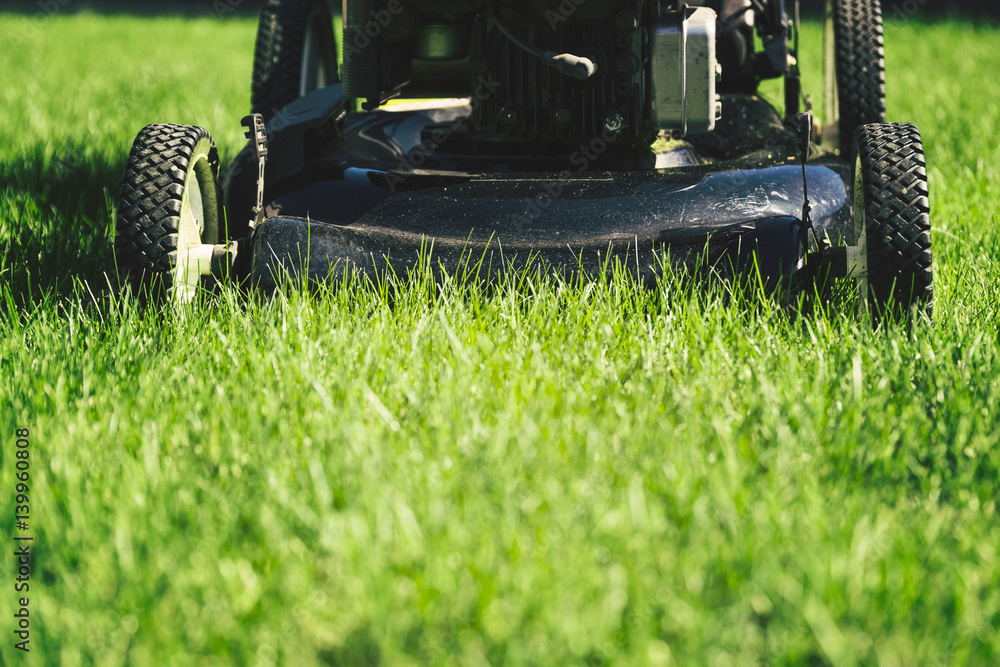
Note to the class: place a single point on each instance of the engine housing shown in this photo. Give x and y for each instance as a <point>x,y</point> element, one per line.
<point>653,68</point>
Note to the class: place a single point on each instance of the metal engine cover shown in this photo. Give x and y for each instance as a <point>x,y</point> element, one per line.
<point>684,72</point>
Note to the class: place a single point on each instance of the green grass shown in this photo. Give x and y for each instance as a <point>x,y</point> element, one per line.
<point>551,474</point>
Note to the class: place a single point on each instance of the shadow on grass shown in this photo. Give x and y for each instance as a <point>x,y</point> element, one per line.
<point>56,220</point>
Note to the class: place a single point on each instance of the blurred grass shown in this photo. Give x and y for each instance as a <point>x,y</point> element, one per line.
<point>551,474</point>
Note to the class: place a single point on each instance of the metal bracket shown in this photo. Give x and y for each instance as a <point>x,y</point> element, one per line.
<point>773,31</point>
<point>793,78</point>
<point>684,69</point>
<point>198,261</point>
<point>842,261</point>
<point>256,133</point>
<point>802,125</point>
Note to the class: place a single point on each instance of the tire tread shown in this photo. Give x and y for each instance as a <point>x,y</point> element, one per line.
<point>149,202</point>
<point>860,64</point>
<point>278,54</point>
<point>897,216</point>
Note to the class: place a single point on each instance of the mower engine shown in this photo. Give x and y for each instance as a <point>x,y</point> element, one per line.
<point>541,70</point>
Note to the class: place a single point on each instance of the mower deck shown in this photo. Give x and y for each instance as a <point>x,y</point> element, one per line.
<point>398,184</point>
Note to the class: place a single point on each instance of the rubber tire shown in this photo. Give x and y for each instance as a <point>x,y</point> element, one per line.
<point>162,159</point>
<point>860,66</point>
<point>278,55</point>
<point>890,180</point>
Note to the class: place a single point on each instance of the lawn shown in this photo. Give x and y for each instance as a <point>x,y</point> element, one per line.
<point>547,474</point>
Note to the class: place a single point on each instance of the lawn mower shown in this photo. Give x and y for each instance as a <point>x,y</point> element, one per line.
<point>492,134</point>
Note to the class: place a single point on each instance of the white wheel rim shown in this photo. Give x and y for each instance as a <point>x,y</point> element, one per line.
<point>196,225</point>
<point>860,236</point>
<point>194,205</point>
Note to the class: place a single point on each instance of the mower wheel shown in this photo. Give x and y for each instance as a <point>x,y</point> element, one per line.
<point>892,219</point>
<point>296,53</point>
<point>855,63</point>
<point>169,202</point>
